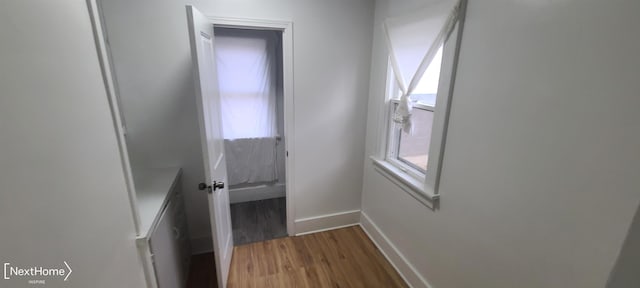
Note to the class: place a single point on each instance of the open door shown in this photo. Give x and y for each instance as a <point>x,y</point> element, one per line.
<point>208,99</point>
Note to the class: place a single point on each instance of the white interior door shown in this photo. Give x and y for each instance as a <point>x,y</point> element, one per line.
<point>208,99</point>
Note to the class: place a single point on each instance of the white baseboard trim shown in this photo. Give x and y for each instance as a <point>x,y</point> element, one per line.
<point>326,222</point>
<point>260,192</point>
<point>201,245</point>
<point>393,255</point>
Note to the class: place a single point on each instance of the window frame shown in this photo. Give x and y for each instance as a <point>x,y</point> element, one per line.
<point>422,186</point>
<point>393,141</point>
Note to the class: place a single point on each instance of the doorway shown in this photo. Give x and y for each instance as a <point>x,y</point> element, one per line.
<point>249,65</point>
<point>209,102</point>
<point>256,102</point>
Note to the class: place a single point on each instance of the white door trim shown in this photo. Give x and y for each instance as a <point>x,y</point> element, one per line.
<point>287,57</point>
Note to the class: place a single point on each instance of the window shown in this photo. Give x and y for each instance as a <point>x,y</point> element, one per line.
<point>410,151</point>
<point>412,145</point>
<point>247,78</point>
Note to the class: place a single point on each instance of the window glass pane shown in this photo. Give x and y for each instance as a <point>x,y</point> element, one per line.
<point>427,88</point>
<point>414,149</point>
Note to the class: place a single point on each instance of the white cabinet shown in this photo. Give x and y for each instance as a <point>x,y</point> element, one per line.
<point>165,245</point>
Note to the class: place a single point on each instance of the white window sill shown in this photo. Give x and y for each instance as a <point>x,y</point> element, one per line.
<point>414,187</point>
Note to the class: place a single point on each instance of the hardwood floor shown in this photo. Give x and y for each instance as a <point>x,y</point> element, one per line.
<point>260,220</point>
<point>337,258</point>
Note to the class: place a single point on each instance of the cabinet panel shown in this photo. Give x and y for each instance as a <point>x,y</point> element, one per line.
<point>167,252</point>
<point>180,218</point>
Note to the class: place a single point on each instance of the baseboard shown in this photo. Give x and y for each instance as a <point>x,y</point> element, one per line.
<point>303,226</point>
<point>201,245</point>
<point>393,255</point>
<point>326,222</point>
<point>260,192</point>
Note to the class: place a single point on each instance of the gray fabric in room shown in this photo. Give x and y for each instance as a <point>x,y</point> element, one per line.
<point>260,220</point>
<point>251,160</point>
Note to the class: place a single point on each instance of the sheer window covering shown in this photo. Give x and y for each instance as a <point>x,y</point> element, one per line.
<point>247,83</point>
<point>413,41</point>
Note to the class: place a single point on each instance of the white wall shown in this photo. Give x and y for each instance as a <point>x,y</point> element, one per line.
<point>332,41</point>
<point>62,194</point>
<point>540,173</point>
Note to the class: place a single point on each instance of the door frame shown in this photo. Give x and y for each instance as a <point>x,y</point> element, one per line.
<point>286,27</point>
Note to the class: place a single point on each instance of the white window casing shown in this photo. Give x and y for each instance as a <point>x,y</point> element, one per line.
<point>422,186</point>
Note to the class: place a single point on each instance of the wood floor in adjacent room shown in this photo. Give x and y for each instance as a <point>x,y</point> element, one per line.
<point>337,258</point>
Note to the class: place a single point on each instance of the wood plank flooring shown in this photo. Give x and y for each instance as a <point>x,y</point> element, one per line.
<point>338,258</point>
<point>257,221</point>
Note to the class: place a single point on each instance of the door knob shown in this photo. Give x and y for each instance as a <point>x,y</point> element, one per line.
<point>217,185</point>
<point>203,186</point>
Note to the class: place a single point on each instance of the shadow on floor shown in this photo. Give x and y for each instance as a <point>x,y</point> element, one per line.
<point>202,273</point>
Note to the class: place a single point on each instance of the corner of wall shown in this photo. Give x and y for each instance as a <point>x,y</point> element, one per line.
<point>326,222</point>
<point>409,273</point>
<point>625,270</point>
